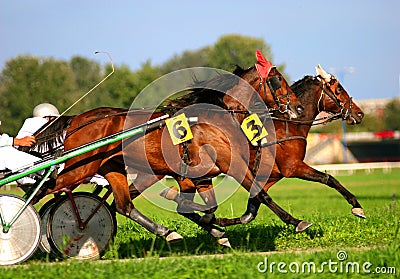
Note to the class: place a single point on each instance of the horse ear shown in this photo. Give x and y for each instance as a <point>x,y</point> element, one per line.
<point>321,72</point>
<point>263,66</point>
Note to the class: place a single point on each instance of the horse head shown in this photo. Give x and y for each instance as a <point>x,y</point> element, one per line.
<point>339,98</point>
<point>284,98</point>
<point>272,87</point>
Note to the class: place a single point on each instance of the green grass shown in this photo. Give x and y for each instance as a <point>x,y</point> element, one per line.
<point>237,265</point>
<point>137,253</point>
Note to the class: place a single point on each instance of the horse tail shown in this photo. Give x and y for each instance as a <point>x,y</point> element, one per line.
<point>49,137</point>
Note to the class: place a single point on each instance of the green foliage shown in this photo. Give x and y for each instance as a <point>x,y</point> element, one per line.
<point>118,89</point>
<point>392,115</point>
<point>230,50</point>
<point>188,59</point>
<point>27,81</point>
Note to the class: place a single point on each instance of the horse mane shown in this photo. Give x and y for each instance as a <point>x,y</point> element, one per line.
<point>210,91</point>
<point>240,72</point>
<point>303,85</point>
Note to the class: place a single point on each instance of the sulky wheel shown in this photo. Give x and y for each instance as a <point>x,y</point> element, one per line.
<point>23,237</point>
<point>44,213</point>
<point>68,239</point>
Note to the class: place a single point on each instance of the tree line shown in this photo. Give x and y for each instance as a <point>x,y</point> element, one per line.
<point>27,81</point>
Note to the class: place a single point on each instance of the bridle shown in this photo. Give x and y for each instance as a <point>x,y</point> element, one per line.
<point>274,84</point>
<point>343,111</point>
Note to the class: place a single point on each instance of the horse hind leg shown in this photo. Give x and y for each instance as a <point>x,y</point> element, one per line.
<point>186,207</point>
<point>124,206</point>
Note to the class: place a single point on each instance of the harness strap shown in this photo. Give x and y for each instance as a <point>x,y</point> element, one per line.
<point>185,161</point>
<point>285,139</point>
<point>257,159</point>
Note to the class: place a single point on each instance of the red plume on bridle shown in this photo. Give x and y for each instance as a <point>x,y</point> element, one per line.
<point>263,66</point>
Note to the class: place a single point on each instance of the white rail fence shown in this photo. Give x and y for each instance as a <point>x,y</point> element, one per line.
<point>333,169</point>
<point>351,168</point>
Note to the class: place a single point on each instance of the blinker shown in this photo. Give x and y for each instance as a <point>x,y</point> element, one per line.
<point>275,82</point>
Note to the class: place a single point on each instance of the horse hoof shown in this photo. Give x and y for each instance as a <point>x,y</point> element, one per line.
<point>169,193</point>
<point>173,237</point>
<point>224,242</point>
<point>216,233</point>
<point>247,218</point>
<point>302,226</point>
<point>359,212</point>
<point>206,218</point>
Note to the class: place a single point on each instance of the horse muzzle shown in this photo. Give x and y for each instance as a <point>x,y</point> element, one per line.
<point>355,118</point>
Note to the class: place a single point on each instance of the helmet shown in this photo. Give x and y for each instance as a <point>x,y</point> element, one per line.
<point>44,110</point>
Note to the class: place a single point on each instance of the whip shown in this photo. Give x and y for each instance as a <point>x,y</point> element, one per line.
<point>87,93</point>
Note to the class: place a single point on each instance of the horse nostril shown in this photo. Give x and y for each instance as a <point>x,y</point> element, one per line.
<point>360,114</point>
<point>300,109</point>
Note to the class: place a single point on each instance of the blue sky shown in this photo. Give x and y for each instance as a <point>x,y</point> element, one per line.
<point>357,39</point>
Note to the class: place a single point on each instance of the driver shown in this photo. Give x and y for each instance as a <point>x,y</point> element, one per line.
<point>43,113</point>
<point>10,157</point>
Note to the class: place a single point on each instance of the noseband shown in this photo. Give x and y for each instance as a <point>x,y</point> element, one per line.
<point>344,112</point>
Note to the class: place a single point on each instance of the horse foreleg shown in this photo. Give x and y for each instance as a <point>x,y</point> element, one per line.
<point>351,199</point>
<point>253,204</point>
<point>254,188</point>
<point>124,206</point>
<point>206,191</point>
<point>306,172</point>
<point>251,212</point>
<point>266,199</point>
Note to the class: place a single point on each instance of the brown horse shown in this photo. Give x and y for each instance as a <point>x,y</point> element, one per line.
<point>321,93</point>
<point>213,149</point>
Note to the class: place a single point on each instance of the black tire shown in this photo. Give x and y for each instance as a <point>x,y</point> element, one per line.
<point>44,213</point>
<point>65,236</point>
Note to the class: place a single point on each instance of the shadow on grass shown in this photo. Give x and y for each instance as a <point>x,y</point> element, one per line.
<point>138,243</point>
<point>245,238</point>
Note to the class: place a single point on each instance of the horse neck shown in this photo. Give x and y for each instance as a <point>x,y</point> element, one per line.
<point>252,78</point>
<point>309,98</point>
<point>249,93</point>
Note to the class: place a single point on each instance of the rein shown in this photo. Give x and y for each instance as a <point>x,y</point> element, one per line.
<point>149,109</point>
<point>273,85</point>
<point>344,112</point>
